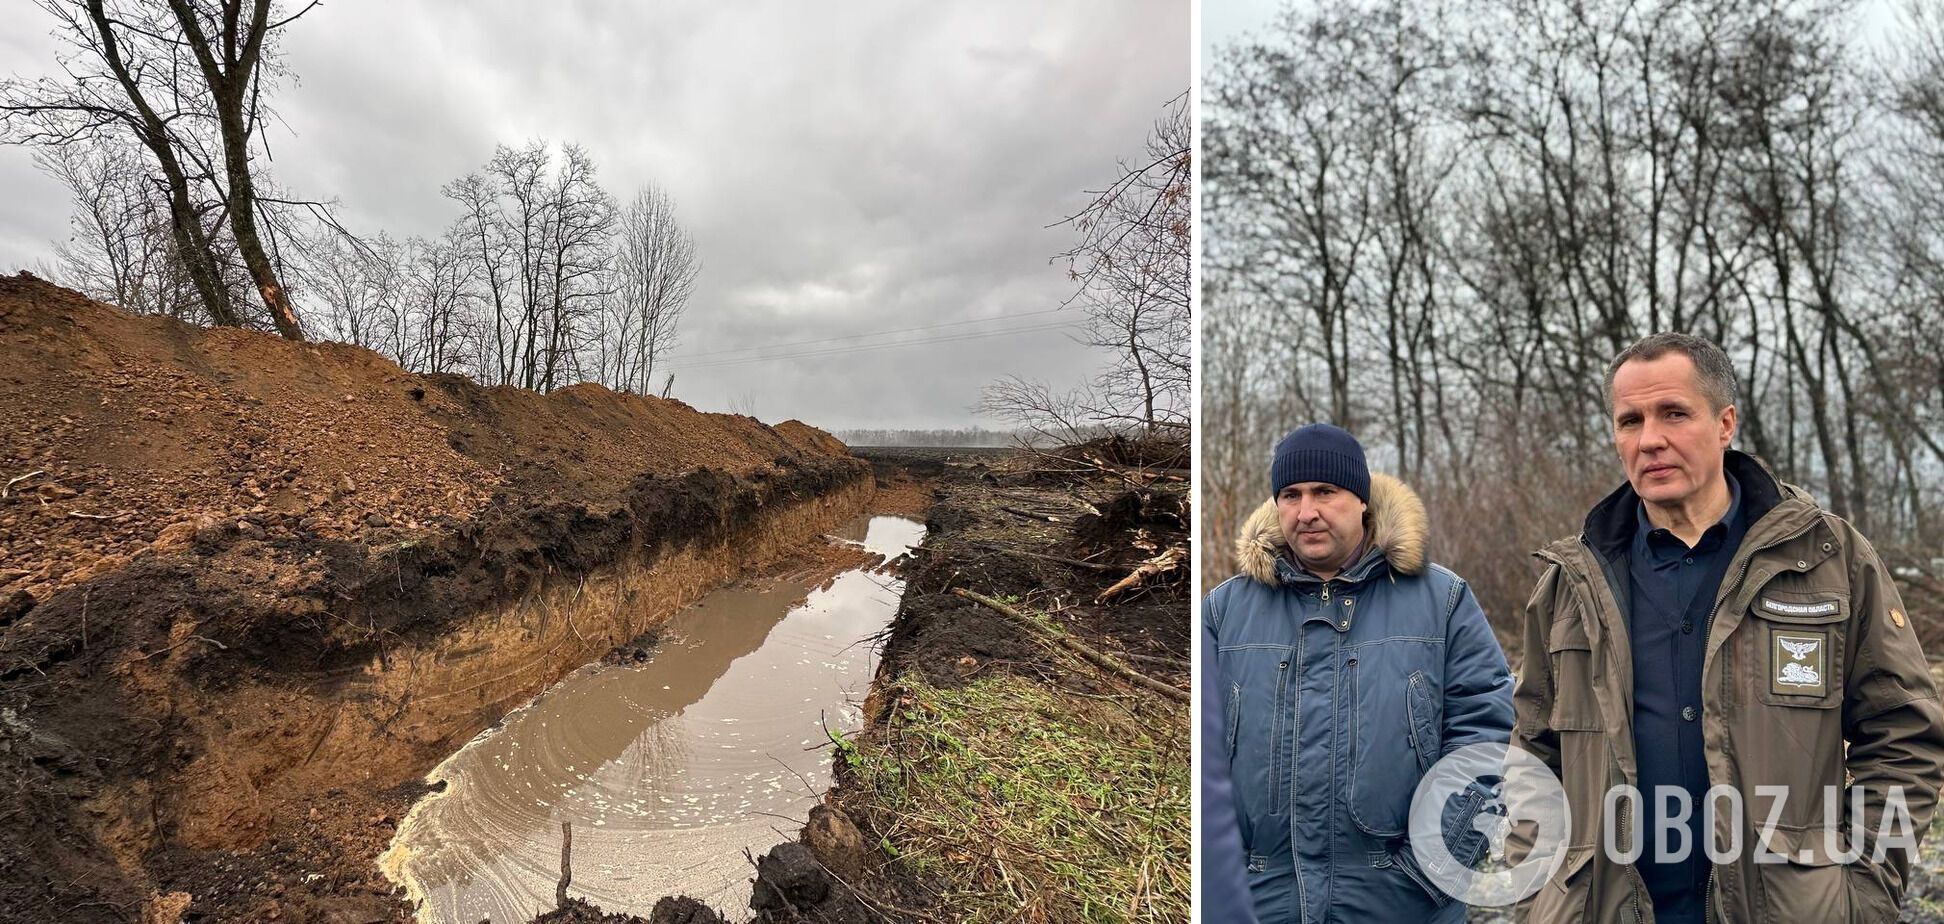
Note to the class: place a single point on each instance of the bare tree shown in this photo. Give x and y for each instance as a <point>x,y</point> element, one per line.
<point>494,261</point>
<point>436,281</point>
<point>187,82</point>
<point>1132,267</point>
<point>121,250</point>
<point>123,80</point>
<point>1439,221</point>
<point>233,51</point>
<point>1046,416</point>
<point>575,262</point>
<point>655,268</point>
<point>353,285</point>
<point>535,245</point>
<point>1131,270</point>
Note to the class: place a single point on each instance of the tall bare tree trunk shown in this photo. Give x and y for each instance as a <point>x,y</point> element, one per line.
<point>185,224</point>
<point>231,81</point>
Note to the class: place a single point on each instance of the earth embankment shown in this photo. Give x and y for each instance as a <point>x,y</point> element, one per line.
<point>252,589</point>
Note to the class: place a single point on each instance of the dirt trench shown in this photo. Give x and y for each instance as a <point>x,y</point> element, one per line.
<point>263,777</point>
<point>998,523</point>
<point>251,591</point>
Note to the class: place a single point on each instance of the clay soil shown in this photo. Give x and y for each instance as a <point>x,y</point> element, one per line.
<point>201,528</point>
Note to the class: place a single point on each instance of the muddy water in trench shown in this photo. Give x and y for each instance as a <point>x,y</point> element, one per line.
<point>667,770</point>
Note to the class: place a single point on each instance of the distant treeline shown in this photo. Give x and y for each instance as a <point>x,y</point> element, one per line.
<point>964,436</point>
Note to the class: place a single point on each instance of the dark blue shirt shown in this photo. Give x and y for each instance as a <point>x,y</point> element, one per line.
<point>1672,591</point>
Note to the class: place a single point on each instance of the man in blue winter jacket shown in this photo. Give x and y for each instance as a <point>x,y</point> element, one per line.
<point>1348,666</point>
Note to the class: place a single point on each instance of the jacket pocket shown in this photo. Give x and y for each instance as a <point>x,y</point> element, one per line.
<point>1799,647</point>
<point>1804,882</point>
<point>1384,768</point>
<point>1244,821</point>
<point>1371,799</point>
<point>1422,706</point>
<point>1564,897</point>
<point>1574,706</point>
<point>1870,902</point>
<point>1253,736</point>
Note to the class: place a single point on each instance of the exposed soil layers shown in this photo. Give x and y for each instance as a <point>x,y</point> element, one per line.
<point>251,590</point>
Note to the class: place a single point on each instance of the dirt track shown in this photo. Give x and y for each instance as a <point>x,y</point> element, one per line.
<point>250,590</point>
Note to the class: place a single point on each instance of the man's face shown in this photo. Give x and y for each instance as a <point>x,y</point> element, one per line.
<point>1322,523</point>
<point>1670,441</point>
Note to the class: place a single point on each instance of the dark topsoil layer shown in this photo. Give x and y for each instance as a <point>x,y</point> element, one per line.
<point>205,509</point>
<point>988,508</point>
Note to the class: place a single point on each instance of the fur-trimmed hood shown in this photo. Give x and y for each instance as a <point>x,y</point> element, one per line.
<point>1398,527</point>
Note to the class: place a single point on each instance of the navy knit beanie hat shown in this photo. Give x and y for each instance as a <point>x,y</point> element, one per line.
<point>1320,452</point>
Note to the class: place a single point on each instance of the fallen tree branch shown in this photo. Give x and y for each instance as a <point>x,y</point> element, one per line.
<point>1136,476</point>
<point>1176,663</point>
<point>1163,563</point>
<point>1103,661</point>
<point>1075,562</point>
<point>1043,518</point>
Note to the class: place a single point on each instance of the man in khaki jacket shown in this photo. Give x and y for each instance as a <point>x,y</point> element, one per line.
<point>1720,644</point>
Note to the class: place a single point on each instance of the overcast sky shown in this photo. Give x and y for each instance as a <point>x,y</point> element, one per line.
<point>845,168</point>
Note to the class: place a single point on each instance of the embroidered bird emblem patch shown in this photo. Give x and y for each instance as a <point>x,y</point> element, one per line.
<point>1798,665</point>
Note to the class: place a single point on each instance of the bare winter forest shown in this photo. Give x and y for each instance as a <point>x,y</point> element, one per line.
<point>1435,223</point>
<point>157,129</point>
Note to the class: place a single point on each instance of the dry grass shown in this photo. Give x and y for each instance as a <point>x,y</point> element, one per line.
<point>1032,803</point>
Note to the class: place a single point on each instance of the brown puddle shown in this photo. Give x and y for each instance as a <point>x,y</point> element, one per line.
<point>667,769</point>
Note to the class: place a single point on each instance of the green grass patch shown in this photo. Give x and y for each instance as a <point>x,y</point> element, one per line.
<point>1036,804</point>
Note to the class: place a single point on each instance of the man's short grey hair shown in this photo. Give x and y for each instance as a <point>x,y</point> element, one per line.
<point>1712,370</point>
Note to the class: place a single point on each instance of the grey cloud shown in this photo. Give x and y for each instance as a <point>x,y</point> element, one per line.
<point>843,168</point>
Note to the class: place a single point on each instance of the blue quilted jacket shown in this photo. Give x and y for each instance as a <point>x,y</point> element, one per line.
<point>1336,698</point>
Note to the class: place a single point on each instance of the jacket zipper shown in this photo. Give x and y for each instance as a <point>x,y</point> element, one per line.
<point>1282,691</point>
<point>1635,884</point>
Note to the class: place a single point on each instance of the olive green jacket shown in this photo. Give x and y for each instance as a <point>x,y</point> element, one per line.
<point>1812,678</point>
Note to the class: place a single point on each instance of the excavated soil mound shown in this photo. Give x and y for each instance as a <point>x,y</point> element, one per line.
<point>121,432</point>
<point>219,549</point>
